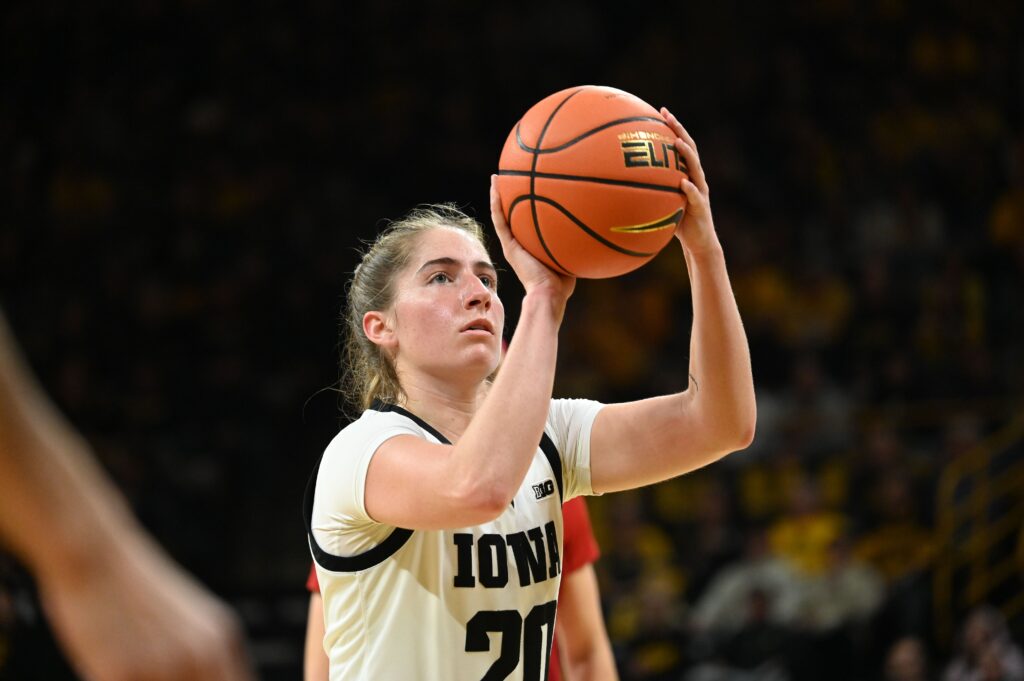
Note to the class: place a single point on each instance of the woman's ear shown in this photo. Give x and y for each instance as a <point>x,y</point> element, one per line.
<point>379,329</point>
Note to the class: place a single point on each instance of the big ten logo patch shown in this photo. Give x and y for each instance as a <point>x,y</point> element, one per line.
<point>544,489</point>
<point>642,149</point>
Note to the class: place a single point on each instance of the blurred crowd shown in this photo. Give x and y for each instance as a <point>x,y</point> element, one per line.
<point>870,203</point>
<point>185,183</point>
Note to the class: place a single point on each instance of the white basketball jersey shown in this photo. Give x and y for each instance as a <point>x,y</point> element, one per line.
<point>471,603</point>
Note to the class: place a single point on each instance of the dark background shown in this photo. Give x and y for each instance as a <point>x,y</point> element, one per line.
<point>185,185</point>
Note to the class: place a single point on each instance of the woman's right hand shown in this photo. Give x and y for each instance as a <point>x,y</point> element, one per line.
<point>533,274</point>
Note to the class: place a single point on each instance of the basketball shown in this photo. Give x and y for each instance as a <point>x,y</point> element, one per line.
<point>589,180</point>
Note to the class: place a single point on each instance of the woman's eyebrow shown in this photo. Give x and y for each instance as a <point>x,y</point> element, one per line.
<point>448,262</point>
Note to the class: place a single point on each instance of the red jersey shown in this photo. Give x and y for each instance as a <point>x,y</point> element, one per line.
<point>580,549</point>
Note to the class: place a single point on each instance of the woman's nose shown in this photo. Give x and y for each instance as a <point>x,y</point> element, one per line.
<point>477,295</point>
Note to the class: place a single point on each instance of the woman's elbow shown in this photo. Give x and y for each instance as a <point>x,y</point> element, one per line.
<point>483,502</point>
<point>744,429</point>
<point>747,433</point>
<point>494,502</point>
<point>735,432</point>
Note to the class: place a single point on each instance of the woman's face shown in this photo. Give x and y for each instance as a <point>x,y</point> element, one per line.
<point>447,318</point>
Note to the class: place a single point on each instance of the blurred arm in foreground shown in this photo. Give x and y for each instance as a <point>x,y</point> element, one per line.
<point>121,609</point>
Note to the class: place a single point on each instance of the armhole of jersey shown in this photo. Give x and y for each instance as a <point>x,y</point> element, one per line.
<point>387,548</point>
<point>551,452</point>
<point>328,561</point>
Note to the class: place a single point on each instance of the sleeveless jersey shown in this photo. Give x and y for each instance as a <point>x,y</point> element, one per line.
<point>468,603</point>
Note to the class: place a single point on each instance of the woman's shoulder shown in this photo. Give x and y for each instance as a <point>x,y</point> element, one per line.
<point>568,418</point>
<point>562,409</point>
<point>372,425</point>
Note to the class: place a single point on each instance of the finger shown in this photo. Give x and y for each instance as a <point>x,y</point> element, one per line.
<point>672,122</point>
<point>696,201</point>
<point>498,215</point>
<point>693,166</point>
<point>691,190</point>
<point>677,127</point>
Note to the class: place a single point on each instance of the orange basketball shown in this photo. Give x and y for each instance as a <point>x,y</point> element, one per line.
<point>590,181</point>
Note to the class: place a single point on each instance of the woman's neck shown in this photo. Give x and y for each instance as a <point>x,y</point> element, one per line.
<point>446,407</point>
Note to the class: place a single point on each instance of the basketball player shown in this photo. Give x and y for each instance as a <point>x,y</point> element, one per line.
<point>581,650</point>
<point>122,611</point>
<point>434,520</point>
<point>585,653</point>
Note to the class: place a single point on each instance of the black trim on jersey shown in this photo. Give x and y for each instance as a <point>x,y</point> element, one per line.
<point>397,539</point>
<point>384,406</point>
<point>554,460</point>
<point>375,556</point>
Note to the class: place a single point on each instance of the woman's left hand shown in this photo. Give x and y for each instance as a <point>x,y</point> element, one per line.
<point>696,231</point>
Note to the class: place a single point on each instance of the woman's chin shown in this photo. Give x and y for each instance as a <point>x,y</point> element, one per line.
<point>470,366</point>
<point>479,364</point>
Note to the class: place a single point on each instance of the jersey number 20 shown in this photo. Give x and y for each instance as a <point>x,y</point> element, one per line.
<point>517,635</point>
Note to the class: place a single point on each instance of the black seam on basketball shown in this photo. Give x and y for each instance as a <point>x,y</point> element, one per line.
<point>582,225</point>
<point>584,135</point>
<point>533,167</point>
<point>540,236</point>
<point>595,180</point>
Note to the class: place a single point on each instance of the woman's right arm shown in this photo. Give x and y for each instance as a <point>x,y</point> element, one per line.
<point>475,480</point>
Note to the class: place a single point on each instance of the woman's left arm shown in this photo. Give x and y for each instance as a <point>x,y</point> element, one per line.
<point>640,443</point>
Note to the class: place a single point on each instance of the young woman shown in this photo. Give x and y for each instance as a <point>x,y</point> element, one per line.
<point>436,518</point>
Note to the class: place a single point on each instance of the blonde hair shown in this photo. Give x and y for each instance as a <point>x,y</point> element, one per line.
<point>367,372</point>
